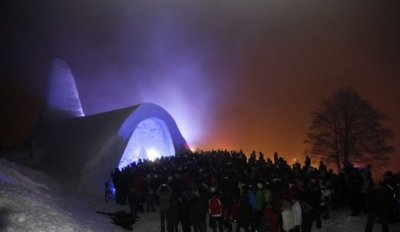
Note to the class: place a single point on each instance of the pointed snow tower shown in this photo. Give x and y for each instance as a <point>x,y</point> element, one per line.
<point>62,98</point>
<point>81,151</point>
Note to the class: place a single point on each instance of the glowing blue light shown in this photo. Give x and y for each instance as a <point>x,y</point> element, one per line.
<point>150,140</point>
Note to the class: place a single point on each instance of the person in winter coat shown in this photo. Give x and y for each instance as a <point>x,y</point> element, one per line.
<point>132,202</point>
<point>287,216</point>
<point>198,210</point>
<point>314,199</point>
<point>307,215</point>
<point>173,217</point>
<point>138,185</point>
<point>296,208</point>
<point>108,194</point>
<point>259,204</point>
<point>325,200</point>
<point>235,210</point>
<point>292,190</point>
<point>355,183</point>
<point>253,202</point>
<point>271,218</point>
<point>184,209</point>
<point>164,192</point>
<point>197,218</point>
<point>389,184</point>
<point>215,209</point>
<point>227,202</point>
<point>379,201</point>
<point>245,214</point>
<point>276,197</point>
<point>378,208</point>
<point>150,200</point>
<point>252,198</point>
<point>267,195</point>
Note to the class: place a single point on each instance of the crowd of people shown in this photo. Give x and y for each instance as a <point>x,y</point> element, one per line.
<point>252,194</point>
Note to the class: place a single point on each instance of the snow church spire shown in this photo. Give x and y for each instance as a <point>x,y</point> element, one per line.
<point>62,97</point>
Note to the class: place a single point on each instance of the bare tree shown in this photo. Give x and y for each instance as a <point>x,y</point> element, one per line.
<point>346,129</point>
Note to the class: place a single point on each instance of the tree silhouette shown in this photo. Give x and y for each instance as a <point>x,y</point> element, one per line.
<point>346,129</point>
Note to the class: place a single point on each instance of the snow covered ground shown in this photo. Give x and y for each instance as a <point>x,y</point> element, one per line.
<point>340,222</point>
<point>31,201</point>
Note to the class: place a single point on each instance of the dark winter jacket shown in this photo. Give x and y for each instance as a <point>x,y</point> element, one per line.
<point>379,201</point>
<point>164,192</point>
<point>196,212</point>
<point>245,212</point>
<point>173,214</point>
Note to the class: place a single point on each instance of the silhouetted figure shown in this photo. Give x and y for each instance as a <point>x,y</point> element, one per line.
<point>245,214</point>
<point>184,210</point>
<point>379,200</point>
<point>119,185</point>
<point>308,216</point>
<point>164,192</point>
<point>173,217</point>
<point>132,202</point>
<point>271,219</point>
<point>260,200</point>
<point>198,210</point>
<point>108,194</point>
<point>150,200</point>
<point>355,188</point>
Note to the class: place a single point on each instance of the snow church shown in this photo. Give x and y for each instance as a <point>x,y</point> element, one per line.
<point>81,151</point>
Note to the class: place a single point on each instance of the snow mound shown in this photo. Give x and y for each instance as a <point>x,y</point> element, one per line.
<point>31,201</point>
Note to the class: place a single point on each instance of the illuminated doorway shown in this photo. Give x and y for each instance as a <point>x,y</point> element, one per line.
<point>150,140</point>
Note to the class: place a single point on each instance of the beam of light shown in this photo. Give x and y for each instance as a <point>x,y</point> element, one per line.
<point>194,148</point>
<point>186,96</point>
<point>153,154</point>
<point>174,74</point>
<point>150,140</point>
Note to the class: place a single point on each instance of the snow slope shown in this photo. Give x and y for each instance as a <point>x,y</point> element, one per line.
<point>31,201</point>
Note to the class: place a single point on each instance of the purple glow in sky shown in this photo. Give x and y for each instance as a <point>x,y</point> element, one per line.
<point>171,70</point>
<point>178,85</point>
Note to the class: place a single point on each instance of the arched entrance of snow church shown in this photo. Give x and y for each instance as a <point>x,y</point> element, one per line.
<point>146,130</point>
<point>150,140</point>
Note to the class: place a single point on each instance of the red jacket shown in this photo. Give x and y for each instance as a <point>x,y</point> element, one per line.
<point>215,207</point>
<point>235,210</point>
<point>271,218</point>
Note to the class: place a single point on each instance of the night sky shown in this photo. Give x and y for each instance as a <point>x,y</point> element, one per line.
<point>233,74</point>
